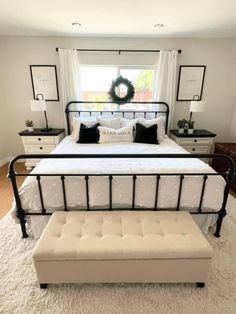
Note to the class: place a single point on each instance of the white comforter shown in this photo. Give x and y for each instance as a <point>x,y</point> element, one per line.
<point>122,186</point>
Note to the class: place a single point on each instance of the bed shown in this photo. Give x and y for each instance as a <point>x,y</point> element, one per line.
<point>121,176</point>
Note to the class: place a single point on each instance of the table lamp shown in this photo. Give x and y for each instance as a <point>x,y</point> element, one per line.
<point>39,104</point>
<point>196,105</point>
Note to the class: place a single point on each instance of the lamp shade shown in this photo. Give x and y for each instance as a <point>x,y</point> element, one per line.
<point>197,106</point>
<point>38,105</point>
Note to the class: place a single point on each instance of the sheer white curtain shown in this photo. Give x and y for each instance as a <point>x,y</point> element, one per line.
<point>70,77</point>
<point>165,80</point>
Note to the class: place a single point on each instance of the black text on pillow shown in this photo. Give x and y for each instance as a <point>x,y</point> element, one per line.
<point>145,134</point>
<point>88,134</point>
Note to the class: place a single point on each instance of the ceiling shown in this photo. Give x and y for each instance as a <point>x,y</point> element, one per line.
<point>135,18</point>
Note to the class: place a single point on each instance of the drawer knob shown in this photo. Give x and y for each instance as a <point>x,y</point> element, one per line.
<point>193,149</point>
<point>195,141</point>
<point>39,139</point>
<point>41,147</point>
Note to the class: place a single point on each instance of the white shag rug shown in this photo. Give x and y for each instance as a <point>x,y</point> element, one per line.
<point>20,292</point>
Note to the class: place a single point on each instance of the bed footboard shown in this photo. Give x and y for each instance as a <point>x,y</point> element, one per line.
<point>23,212</point>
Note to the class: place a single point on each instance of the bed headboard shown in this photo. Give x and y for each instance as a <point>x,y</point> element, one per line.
<point>120,109</point>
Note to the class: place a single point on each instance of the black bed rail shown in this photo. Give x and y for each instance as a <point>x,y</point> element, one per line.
<point>165,111</point>
<point>21,212</point>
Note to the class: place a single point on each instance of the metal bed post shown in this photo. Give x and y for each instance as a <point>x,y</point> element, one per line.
<point>19,211</point>
<point>222,213</point>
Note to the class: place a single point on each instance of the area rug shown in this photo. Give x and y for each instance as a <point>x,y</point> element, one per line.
<point>20,293</point>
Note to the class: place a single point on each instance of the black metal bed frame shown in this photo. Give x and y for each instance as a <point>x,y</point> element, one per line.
<point>165,112</point>
<point>22,213</point>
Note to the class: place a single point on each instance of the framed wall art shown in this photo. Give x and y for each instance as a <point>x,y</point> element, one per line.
<point>44,81</point>
<point>190,82</point>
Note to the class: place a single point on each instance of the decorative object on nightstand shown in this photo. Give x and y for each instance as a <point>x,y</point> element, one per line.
<point>182,125</point>
<point>39,142</point>
<point>200,142</point>
<point>30,125</point>
<point>190,127</point>
<point>40,105</point>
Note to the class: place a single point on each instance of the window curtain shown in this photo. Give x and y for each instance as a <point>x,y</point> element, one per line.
<point>70,77</point>
<point>165,80</point>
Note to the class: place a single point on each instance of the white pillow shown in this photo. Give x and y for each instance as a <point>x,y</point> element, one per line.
<point>76,121</point>
<point>109,122</point>
<point>160,121</point>
<point>108,135</point>
<point>127,122</point>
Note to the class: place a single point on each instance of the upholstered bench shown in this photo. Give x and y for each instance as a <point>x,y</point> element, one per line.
<point>122,246</point>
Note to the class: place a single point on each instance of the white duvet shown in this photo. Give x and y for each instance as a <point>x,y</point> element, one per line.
<point>122,186</point>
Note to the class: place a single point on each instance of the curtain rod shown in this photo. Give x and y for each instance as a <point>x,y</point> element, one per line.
<point>120,50</point>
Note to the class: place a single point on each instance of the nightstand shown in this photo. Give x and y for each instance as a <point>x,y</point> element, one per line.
<point>39,142</point>
<point>200,142</point>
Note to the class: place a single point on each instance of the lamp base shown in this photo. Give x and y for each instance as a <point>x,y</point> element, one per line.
<point>46,129</point>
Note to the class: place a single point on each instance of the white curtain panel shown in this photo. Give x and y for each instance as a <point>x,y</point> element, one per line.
<point>165,80</point>
<point>70,77</point>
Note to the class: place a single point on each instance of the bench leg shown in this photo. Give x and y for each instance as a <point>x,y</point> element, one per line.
<point>200,284</point>
<point>43,286</point>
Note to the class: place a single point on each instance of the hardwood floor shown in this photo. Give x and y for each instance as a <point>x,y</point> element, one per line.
<point>6,194</point>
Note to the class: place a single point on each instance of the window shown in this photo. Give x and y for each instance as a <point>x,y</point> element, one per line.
<point>96,81</point>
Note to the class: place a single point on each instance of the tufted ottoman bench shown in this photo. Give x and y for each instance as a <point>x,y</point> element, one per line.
<point>122,246</point>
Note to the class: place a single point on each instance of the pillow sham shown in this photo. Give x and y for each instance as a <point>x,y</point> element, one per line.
<point>76,121</point>
<point>160,122</point>
<point>145,134</point>
<point>88,134</point>
<point>108,135</point>
<point>127,122</point>
<point>109,122</point>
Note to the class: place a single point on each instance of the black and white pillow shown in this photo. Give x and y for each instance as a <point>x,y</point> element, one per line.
<point>76,122</point>
<point>145,134</point>
<point>89,134</point>
<point>160,122</point>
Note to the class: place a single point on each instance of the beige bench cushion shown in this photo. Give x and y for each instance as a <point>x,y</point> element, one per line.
<point>108,235</point>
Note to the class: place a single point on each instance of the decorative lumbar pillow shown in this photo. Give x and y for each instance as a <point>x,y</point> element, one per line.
<point>88,134</point>
<point>160,122</point>
<point>108,135</point>
<point>145,134</point>
<point>109,122</point>
<point>76,122</point>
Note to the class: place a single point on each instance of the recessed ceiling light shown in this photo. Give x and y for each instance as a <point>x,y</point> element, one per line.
<point>159,25</point>
<point>76,24</point>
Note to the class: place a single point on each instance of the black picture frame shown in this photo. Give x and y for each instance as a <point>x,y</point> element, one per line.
<point>46,76</point>
<point>190,82</point>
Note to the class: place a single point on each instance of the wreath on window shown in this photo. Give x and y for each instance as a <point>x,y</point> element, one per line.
<point>114,87</point>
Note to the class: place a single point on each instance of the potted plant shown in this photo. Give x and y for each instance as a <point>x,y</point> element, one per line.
<point>182,125</point>
<point>190,127</point>
<point>29,124</point>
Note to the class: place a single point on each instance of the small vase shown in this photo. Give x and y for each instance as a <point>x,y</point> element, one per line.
<point>190,131</point>
<point>30,129</point>
<point>181,131</point>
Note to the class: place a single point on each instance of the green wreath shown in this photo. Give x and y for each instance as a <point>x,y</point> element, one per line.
<point>116,83</point>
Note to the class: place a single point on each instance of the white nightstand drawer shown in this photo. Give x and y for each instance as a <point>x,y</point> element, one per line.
<point>197,149</point>
<point>48,140</point>
<point>39,149</point>
<point>195,141</point>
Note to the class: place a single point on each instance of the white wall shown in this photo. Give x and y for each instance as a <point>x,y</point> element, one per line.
<point>233,125</point>
<point>2,120</point>
<point>17,53</point>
